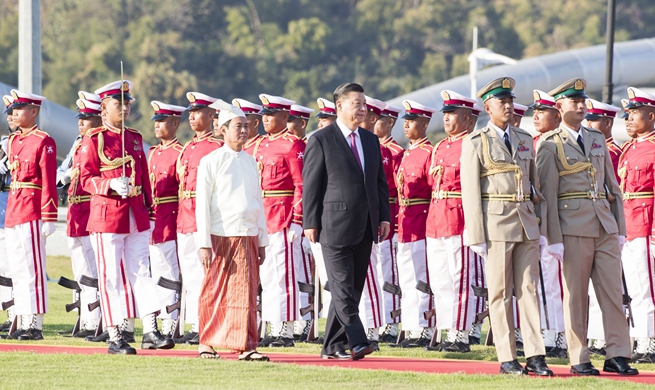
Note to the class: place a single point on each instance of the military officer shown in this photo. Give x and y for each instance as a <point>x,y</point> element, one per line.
<point>279,156</point>
<point>600,116</point>
<point>5,177</point>
<point>162,159</point>
<point>200,120</point>
<point>585,230</point>
<point>414,194</point>
<point>501,224</point>
<point>637,172</point>
<point>83,258</point>
<point>298,119</point>
<point>519,112</point>
<point>387,250</point>
<point>114,170</point>
<point>450,262</point>
<point>326,112</point>
<point>254,120</point>
<point>31,212</point>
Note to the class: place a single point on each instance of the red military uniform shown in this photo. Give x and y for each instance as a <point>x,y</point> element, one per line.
<point>32,159</point>
<point>79,201</point>
<point>397,152</point>
<point>187,172</point>
<point>445,215</point>
<point>615,153</point>
<point>414,191</point>
<point>280,160</point>
<point>162,161</point>
<point>249,146</point>
<point>100,163</point>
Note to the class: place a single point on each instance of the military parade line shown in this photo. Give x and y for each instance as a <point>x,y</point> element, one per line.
<point>486,223</point>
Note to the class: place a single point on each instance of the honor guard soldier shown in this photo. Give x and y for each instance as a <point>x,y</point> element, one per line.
<point>298,119</point>
<point>203,143</point>
<point>279,156</point>
<point>387,249</point>
<point>414,193</point>
<point>31,212</point>
<point>637,172</point>
<point>114,170</point>
<point>450,262</point>
<point>254,120</point>
<point>326,113</point>
<point>519,112</point>
<point>498,194</point>
<point>5,178</point>
<point>600,116</point>
<point>165,186</point>
<point>585,230</point>
<point>83,257</point>
<point>546,117</point>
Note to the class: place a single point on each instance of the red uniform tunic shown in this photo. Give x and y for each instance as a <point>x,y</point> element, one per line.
<point>637,171</point>
<point>249,146</point>
<point>101,161</point>
<point>446,216</point>
<point>414,191</point>
<point>162,160</point>
<point>79,201</point>
<point>397,152</point>
<point>615,154</point>
<point>187,172</point>
<point>280,160</point>
<point>32,157</point>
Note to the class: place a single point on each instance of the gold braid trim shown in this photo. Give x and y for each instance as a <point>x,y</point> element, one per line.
<point>109,164</point>
<point>578,167</point>
<point>496,168</point>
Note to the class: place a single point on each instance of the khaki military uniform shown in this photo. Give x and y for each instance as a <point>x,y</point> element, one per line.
<point>496,194</point>
<point>588,221</point>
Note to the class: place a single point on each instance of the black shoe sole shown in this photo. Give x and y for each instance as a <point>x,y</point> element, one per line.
<point>157,346</point>
<point>131,351</point>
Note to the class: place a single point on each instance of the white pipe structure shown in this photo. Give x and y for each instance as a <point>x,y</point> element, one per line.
<point>633,66</point>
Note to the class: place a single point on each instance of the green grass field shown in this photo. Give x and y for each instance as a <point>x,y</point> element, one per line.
<point>30,370</point>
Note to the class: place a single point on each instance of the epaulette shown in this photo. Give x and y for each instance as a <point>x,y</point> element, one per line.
<point>393,145</point>
<point>215,140</point>
<point>95,131</point>
<point>291,137</point>
<point>589,129</point>
<point>153,147</point>
<point>427,147</point>
<point>40,133</point>
<point>521,131</point>
<point>178,146</point>
<point>135,131</point>
<point>550,133</point>
<point>477,132</point>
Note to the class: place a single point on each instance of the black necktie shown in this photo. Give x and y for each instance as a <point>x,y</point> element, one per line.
<point>580,143</point>
<point>507,143</point>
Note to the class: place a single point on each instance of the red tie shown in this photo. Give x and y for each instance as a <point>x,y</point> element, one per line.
<point>353,146</point>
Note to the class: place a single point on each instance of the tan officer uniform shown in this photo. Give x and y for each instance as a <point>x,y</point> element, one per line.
<point>498,211</point>
<point>588,221</point>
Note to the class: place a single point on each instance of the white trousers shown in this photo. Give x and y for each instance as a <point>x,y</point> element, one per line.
<point>321,272</point>
<point>121,258</point>
<point>388,272</point>
<point>479,280</point>
<point>638,267</point>
<point>83,259</point>
<point>370,306</point>
<point>27,267</point>
<point>5,292</point>
<point>551,269</point>
<point>412,267</point>
<point>192,274</point>
<point>280,295</point>
<point>304,274</point>
<point>164,263</point>
<point>595,330</point>
<point>450,270</point>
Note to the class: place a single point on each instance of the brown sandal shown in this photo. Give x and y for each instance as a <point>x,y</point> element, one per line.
<point>253,356</point>
<point>209,355</point>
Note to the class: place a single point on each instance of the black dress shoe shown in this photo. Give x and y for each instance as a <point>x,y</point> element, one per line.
<point>474,340</point>
<point>537,365</point>
<point>360,350</point>
<point>189,338</point>
<point>16,333</point>
<point>154,340</point>
<point>620,366</point>
<point>101,338</point>
<point>31,335</point>
<point>128,336</point>
<point>457,347</point>
<point>557,352</point>
<point>339,355</point>
<point>512,367</point>
<point>84,333</point>
<point>282,342</point>
<point>584,369</point>
<point>120,347</point>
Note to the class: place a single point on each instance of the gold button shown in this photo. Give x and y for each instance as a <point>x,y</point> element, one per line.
<point>566,205</point>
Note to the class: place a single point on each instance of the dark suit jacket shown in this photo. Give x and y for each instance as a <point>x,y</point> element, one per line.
<point>337,197</point>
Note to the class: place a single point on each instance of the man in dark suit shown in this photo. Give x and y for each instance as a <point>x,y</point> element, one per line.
<point>345,200</point>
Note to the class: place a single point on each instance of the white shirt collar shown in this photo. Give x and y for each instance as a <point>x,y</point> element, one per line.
<point>574,133</point>
<point>345,130</point>
<point>501,132</point>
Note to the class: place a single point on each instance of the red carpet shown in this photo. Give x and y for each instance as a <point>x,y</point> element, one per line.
<point>435,366</point>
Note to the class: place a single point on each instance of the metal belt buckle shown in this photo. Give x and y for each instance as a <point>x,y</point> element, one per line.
<point>593,195</point>
<point>519,197</point>
<point>440,194</point>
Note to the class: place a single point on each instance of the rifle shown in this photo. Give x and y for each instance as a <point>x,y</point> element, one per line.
<point>395,290</point>
<point>178,287</point>
<point>6,282</point>
<point>543,294</point>
<point>626,300</point>
<point>93,283</point>
<point>424,287</point>
<point>75,286</point>
<point>482,292</point>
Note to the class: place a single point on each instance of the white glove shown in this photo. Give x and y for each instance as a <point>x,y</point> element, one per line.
<point>3,166</point>
<point>556,250</point>
<point>543,241</point>
<point>465,237</point>
<point>480,249</point>
<point>295,231</point>
<point>621,242</point>
<point>306,246</point>
<point>48,228</point>
<point>120,186</point>
<point>152,225</point>
<point>67,177</point>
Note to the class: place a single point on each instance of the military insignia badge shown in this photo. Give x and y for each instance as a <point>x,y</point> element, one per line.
<point>536,96</point>
<point>445,95</point>
<point>80,104</point>
<point>578,85</point>
<point>506,84</point>
<point>191,97</point>
<point>407,105</point>
<point>522,147</point>
<point>589,104</point>
<point>137,147</point>
<point>321,105</point>
<point>631,93</point>
<point>264,100</point>
<point>594,145</point>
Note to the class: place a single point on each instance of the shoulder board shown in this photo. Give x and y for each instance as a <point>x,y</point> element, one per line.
<point>521,131</point>
<point>178,146</point>
<point>627,144</point>
<point>589,129</point>
<point>41,133</point>
<point>215,140</point>
<point>477,132</point>
<point>95,131</point>
<point>427,147</point>
<point>153,147</point>
<point>131,130</point>
<point>395,146</point>
<point>549,134</point>
<point>291,137</point>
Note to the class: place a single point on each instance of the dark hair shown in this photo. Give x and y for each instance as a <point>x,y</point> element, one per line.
<point>345,89</point>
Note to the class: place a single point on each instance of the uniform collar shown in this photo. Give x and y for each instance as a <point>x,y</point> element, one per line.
<point>112,128</point>
<point>203,137</point>
<point>29,131</point>
<point>458,137</point>
<point>164,146</point>
<point>574,133</point>
<point>646,137</point>
<point>500,131</point>
<point>279,135</point>
<point>418,143</point>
